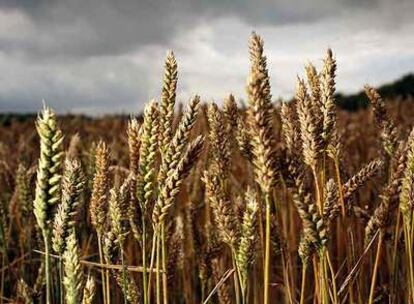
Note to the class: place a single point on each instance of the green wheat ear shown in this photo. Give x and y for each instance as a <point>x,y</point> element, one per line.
<point>245,254</point>
<point>73,280</point>
<point>23,190</point>
<point>48,181</point>
<point>50,163</point>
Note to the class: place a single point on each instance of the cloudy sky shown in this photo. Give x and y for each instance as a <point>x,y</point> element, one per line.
<point>100,56</point>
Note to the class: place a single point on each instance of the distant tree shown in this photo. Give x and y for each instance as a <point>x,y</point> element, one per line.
<point>403,88</point>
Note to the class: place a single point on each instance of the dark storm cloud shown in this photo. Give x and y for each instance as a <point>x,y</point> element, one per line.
<point>94,28</point>
<point>100,55</point>
<point>81,28</point>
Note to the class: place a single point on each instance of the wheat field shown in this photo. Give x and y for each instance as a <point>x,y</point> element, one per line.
<point>268,202</point>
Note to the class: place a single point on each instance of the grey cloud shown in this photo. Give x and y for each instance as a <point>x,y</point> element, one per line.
<point>97,86</point>
<point>94,28</point>
<point>102,55</point>
<point>83,28</point>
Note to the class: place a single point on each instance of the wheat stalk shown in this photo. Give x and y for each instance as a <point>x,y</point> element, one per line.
<point>261,127</point>
<point>99,197</point>
<point>48,180</point>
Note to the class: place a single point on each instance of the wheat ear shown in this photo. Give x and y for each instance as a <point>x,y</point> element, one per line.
<point>327,97</point>
<point>89,291</point>
<point>24,292</point>
<point>169,190</point>
<point>99,200</point>
<point>245,254</point>
<point>98,204</point>
<point>167,104</point>
<point>146,183</point>
<point>65,218</point>
<point>73,280</point>
<point>388,129</point>
<point>48,180</point>
<point>261,127</point>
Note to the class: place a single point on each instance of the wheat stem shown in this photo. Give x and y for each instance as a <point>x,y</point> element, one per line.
<point>345,225</point>
<point>267,250</point>
<point>323,277</point>
<point>59,261</point>
<point>153,256</point>
<point>303,284</point>
<point>158,266</point>
<point>48,270</point>
<point>102,270</point>
<point>237,280</point>
<point>339,182</point>
<point>409,252</point>
<point>164,264</point>
<point>144,259</point>
<point>124,278</point>
<point>375,270</point>
<point>3,261</point>
<point>394,257</point>
<point>318,191</point>
<point>331,270</point>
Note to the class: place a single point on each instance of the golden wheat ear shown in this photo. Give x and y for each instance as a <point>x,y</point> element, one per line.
<point>89,291</point>
<point>356,181</point>
<point>146,183</point>
<point>389,131</point>
<point>243,138</point>
<point>290,129</point>
<point>170,189</point>
<point>180,140</point>
<point>407,185</point>
<point>99,197</point>
<point>24,293</point>
<point>231,112</point>
<point>390,197</point>
<point>66,215</point>
<point>261,116</point>
<point>219,141</point>
<point>168,96</point>
<point>221,206</point>
<point>309,130</point>
<point>328,97</point>
<point>134,143</point>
